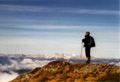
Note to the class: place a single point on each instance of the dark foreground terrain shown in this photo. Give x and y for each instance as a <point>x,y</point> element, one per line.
<point>61,71</point>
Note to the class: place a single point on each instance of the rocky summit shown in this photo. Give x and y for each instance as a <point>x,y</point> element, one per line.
<point>62,71</point>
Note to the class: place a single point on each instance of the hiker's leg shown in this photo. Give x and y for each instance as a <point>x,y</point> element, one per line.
<point>87,51</point>
<point>89,54</point>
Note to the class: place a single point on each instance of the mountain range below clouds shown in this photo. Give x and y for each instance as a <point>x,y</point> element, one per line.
<point>12,65</point>
<point>12,62</point>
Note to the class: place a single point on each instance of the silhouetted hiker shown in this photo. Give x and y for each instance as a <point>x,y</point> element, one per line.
<point>88,43</point>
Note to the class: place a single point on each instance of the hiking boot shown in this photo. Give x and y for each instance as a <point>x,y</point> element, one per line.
<point>87,62</point>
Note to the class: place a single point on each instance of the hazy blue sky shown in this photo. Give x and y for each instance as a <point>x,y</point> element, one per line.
<point>57,26</point>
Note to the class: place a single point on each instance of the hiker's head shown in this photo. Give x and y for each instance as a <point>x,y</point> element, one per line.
<point>87,33</point>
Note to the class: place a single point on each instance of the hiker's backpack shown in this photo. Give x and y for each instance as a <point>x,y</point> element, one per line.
<point>92,42</point>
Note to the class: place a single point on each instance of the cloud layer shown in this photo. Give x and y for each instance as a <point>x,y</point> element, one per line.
<point>41,9</point>
<point>24,64</point>
<point>6,77</point>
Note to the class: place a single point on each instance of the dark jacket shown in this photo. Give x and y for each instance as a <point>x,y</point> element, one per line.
<point>88,41</point>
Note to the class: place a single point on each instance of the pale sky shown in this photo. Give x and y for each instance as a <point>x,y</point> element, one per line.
<point>58,26</point>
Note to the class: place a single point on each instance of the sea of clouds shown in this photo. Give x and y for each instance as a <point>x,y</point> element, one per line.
<point>24,64</point>
<point>18,65</point>
<point>12,64</point>
<point>6,77</point>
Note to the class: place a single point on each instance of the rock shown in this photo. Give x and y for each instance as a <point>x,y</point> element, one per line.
<point>62,71</point>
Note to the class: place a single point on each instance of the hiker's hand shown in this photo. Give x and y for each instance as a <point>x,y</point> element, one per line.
<point>83,40</point>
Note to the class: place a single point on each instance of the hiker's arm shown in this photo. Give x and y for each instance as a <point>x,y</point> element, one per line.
<point>83,40</point>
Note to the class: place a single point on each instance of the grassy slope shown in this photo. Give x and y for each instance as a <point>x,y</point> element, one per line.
<point>61,71</point>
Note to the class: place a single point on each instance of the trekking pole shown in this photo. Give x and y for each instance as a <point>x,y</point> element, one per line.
<point>81,50</point>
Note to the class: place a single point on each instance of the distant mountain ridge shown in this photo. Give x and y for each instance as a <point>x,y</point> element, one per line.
<point>6,59</point>
<point>54,56</point>
<point>62,71</point>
